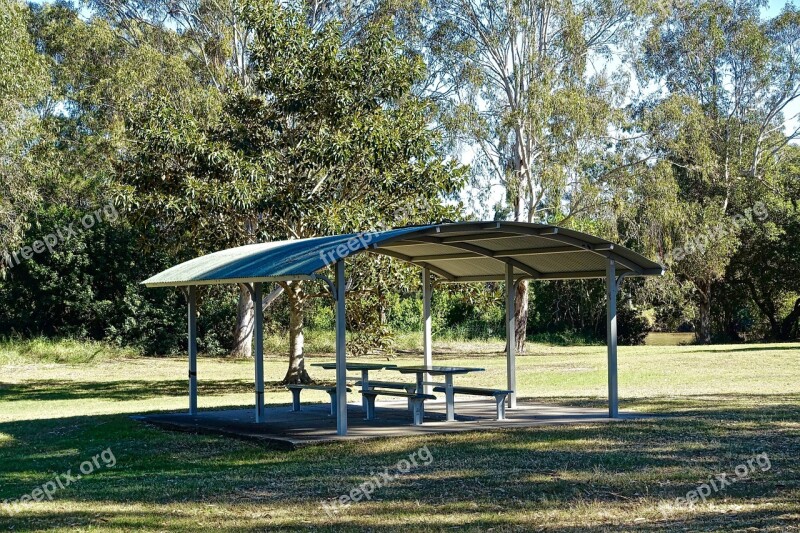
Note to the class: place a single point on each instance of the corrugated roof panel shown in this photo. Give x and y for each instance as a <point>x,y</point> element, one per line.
<point>517,242</point>
<point>566,262</point>
<point>302,258</point>
<point>472,267</point>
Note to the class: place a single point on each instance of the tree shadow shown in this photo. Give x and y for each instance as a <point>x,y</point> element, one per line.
<point>694,405</point>
<point>489,478</point>
<point>122,390</point>
<point>751,348</point>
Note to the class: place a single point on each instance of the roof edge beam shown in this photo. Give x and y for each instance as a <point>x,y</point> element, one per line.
<point>621,260</point>
<point>444,229</point>
<point>550,276</point>
<point>474,279</point>
<point>231,281</point>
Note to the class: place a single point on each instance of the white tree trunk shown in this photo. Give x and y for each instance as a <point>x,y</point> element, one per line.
<point>521,298</point>
<point>297,364</point>
<point>245,322</point>
<point>521,315</point>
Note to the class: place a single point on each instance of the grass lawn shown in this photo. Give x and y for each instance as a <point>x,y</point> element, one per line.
<point>63,404</point>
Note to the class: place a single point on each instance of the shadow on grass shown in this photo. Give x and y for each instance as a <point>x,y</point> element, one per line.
<point>753,348</point>
<point>694,405</point>
<point>122,390</point>
<point>502,479</point>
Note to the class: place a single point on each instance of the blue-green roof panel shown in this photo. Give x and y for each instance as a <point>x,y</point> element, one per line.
<point>467,251</point>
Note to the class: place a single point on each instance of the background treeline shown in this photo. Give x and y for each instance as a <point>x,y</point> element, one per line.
<point>665,126</point>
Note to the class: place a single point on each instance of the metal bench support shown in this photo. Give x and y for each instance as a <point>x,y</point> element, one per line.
<point>410,388</point>
<point>296,399</point>
<point>370,401</point>
<point>501,406</point>
<point>418,409</point>
<point>296,389</point>
<point>417,405</point>
<point>332,394</point>
<point>449,398</point>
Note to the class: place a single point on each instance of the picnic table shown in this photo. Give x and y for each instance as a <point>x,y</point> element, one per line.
<point>364,368</point>
<point>448,372</point>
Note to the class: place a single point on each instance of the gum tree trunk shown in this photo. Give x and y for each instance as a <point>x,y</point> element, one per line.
<point>245,321</point>
<point>521,296</point>
<point>521,315</point>
<point>297,364</point>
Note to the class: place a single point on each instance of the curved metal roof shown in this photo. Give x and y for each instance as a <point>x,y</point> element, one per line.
<point>458,252</point>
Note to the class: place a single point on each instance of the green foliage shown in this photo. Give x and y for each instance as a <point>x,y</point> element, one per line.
<point>632,326</point>
<point>22,82</point>
<point>764,274</point>
<point>260,121</point>
<point>88,287</point>
<point>330,139</point>
<point>561,311</point>
<point>516,84</point>
<point>560,306</point>
<point>468,312</point>
<point>716,132</point>
<point>43,350</point>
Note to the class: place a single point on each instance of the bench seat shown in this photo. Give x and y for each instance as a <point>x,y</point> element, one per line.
<point>499,396</point>
<point>417,402</point>
<point>408,387</point>
<point>389,385</point>
<point>475,391</point>
<point>297,388</point>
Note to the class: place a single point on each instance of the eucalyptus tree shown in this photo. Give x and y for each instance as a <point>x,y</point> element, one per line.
<point>722,81</point>
<point>524,85</point>
<point>214,34</point>
<point>210,38</point>
<point>22,82</point>
<point>214,38</point>
<point>328,139</point>
<point>767,264</point>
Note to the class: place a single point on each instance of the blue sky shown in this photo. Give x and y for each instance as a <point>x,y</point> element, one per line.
<point>773,8</point>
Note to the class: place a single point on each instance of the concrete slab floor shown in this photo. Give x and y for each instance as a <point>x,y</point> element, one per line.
<point>285,429</point>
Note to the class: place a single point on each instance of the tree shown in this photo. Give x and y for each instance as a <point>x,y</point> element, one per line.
<point>767,264</point>
<point>22,79</point>
<point>330,139</point>
<point>520,84</point>
<point>214,37</point>
<point>209,39</point>
<point>724,78</point>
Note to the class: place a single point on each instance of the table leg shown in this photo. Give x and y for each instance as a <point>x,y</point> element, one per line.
<point>449,397</point>
<point>364,388</point>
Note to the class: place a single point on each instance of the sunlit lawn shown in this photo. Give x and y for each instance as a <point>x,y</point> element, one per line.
<point>724,404</point>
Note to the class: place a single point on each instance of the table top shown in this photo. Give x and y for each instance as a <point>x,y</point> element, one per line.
<point>436,370</point>
<point>356,366</point>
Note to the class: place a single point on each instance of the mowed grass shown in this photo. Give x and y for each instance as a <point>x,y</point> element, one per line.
<point>723,405</point>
